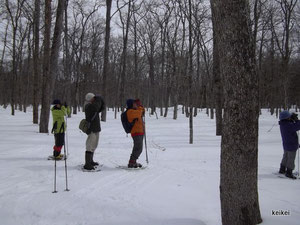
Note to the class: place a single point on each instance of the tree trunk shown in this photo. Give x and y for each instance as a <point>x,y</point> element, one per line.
<point>44,120</point>
<point>36,61</point>
<point>217,79</point>
<point>239,147</point>
<point>106,48</point>
<point>50,61</point>
<point>190,74</point>
<point>151,76</point>
<point>124,54</point>
<point>67,64</point>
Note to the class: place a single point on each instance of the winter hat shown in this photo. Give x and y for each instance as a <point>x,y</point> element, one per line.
<point>129,103</point>
<point>56,102</point>
<point>89,97</point>
<point>284,115</point>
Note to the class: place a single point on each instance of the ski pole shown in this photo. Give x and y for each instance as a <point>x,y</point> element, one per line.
<point>147,160</point>
<point>66,168</point>
<point>298,155</point>
<point>55,191</point>
<point>67,136</point>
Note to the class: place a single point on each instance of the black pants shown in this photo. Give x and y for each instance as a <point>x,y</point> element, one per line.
<point>137,147</point>
<point>59,139</point>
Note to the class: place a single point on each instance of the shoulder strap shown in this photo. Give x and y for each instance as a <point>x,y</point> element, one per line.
<point>94,116</point>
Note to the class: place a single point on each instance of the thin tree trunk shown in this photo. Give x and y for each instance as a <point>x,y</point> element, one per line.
<point>106,49</point>
<point>67,64</point>
<point>217,79</point>
<point>4,91</point>
<point>36,61</point>
<point>190,76</point>
<point>124,55</point>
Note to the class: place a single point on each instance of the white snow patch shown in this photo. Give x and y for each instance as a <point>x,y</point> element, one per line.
<point>179,187</point>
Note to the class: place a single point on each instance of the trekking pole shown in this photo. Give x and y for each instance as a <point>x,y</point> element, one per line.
<point>66,169</point>
<point>67,136</point>
<point>147,160</point>
<point>298,154</point>
<point>55,191</point>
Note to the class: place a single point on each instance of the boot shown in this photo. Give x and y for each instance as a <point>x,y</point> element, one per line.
<point>94,163</point>
<point>289,173</point>
<point>282,169</point>
<point>139,165</point>
<point>88,161</point>
<point>57,155</point>
<point>134,164</point>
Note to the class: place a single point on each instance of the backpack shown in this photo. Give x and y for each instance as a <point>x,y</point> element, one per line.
<point>84,125</point>
<point>126,124</point>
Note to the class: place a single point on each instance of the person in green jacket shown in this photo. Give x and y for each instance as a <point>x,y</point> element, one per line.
<point>59,126</point>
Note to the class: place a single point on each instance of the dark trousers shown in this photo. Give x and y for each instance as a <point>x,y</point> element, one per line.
<point>59,142</point>
<point>137,147</point>
<point>288,159</point>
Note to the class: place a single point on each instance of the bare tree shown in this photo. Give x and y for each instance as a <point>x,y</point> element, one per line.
<point>283,41</point>
<point>2,75</point>
<point>67,58</point>
<point>50,60</point>
<point>218,91</point>
<point>239,147</point>
<point>125,21</point>
<point>106,47</point>
<point>191,71</point>
<point>149,34</point>
<point>78,40</point>
<point>36,61</point>
<point>14,13</point>
<point>106,51</point>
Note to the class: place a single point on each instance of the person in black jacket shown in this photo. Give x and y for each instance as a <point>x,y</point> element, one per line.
<point>93,106</point>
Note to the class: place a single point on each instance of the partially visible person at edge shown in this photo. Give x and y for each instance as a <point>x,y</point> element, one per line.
<point>135,113</point>
<point>59,127</point>
<point>289,125</point>
<point>93,106</point>
<point>68,109</point>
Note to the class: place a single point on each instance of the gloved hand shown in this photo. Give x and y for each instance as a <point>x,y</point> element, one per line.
<point>294,116</point>
<point>138,102</point>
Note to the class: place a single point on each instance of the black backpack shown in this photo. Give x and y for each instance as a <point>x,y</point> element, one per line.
<point>126,125</point>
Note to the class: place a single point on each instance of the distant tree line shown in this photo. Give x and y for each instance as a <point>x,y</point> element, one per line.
<point>159,51</point>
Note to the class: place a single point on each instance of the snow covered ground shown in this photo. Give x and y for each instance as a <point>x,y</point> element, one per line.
<point>180,186</point>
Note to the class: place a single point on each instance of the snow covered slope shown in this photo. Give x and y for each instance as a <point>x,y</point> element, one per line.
<point>180,186</point>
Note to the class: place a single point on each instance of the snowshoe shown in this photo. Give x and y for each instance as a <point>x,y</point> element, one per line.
<point>131,168</point>
<point>95,169</point>
<point>59,157</point>
<point>290,174</point>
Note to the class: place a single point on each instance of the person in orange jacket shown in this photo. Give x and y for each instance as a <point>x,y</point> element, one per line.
<point>135,112</point>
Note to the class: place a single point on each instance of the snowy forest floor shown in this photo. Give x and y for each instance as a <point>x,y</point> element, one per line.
<point>180,186</point>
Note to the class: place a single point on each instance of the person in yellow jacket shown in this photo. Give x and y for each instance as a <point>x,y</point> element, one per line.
<point>135,112</point>
<point>59,126</point>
